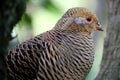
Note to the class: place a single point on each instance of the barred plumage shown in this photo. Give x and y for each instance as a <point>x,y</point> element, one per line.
<point>64,53</point>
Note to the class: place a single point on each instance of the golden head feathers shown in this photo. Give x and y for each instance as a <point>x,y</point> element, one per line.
<point>79,19</point>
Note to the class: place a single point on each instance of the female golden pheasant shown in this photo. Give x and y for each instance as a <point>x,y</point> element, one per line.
<point>64,53</point>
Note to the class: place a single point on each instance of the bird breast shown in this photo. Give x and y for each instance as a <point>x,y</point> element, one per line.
<point>77,54</point>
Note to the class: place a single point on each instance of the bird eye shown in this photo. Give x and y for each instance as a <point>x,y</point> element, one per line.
<point>89,19</point>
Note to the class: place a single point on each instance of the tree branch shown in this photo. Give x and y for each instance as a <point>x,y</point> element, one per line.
<point>110,65</point>
<point>10,13</point>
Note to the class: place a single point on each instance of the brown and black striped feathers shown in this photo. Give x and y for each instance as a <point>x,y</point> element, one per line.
<point>64,53</point>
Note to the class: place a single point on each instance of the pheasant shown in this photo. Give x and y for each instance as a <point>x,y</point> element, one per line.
<point>65,52</point>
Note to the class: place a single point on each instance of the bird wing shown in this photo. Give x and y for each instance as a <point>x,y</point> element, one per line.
<point>23,60</point>
<point>32,58</point>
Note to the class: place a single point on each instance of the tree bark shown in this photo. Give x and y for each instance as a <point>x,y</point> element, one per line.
<point>110,65</point>
<point>10,13</point>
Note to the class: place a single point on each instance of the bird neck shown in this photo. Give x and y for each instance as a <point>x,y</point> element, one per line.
<point>70,41</point>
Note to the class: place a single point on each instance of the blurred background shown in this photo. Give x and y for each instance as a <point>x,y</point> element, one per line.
<point>42,15</point>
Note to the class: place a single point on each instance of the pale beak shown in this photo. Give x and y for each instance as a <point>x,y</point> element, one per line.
<point>99,26</point>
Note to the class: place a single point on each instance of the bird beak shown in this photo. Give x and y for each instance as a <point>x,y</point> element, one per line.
<point>99,26</point>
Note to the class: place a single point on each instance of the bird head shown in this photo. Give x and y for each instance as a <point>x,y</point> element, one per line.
<point>79,19</point>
